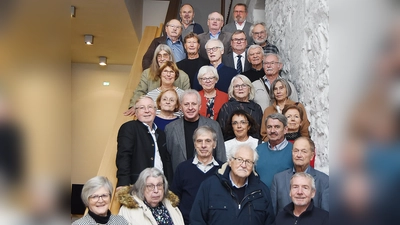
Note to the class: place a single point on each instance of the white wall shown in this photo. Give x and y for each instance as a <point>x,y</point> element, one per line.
<point>154,13</point>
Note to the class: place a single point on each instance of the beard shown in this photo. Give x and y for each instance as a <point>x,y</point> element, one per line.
<point>260,41</point>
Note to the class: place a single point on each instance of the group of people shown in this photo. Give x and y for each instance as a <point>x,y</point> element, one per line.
<point>219,136</point>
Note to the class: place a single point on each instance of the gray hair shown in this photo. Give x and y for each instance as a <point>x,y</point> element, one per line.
<point>208,17</point>
<point>277,116</point>
<point>253,47</point>
<point>285,83</point>
<point>140,186</point>
<point>176,20</point>
<point>258,23</point>
<point>145,97</point>
<point>204,129</point>
<point>235,149</point>
<point>94,184</point>
<point>207,69</point>
<point>190,92</point>
<point>246,81</point>
<point>306,175</point>
<point>276,55</point>
<point>219,43</point>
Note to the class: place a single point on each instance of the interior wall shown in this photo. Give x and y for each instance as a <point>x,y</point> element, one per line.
<point>154,13</point>
<point>94,110</point>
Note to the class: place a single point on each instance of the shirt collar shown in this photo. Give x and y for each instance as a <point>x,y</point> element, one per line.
<point>152,129</point>
<point>279,146</point>
<point>234,185</point>
<point>196,161</point>
<point>306,171</point>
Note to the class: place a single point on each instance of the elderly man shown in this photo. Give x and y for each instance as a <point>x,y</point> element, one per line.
<point>190,173</point>
<point>239,23</point>
<point>180,132</point>
<point>193,62</point>
<point>215,22</point>
<point>272,64</point>
<point>302,153</point>
<point>275,154</point>
<point>255,57</point>
<point>237,58</point>
<point>186,13</point>
<point>259,34</point>
<point>173,39</point>
<point>302,210</point>
<point>215,49</point>
<point>141,145</point>
<point>235,194</point>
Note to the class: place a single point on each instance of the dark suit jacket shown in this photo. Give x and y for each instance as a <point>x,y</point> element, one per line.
<point>231,27</point>
<point>136,152</point>
<point>228,61</point>
<point>280,189</point>
<point>176,144</point>
<point>225,37</point>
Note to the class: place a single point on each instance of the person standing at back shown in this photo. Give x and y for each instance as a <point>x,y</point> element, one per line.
<point>186,13</point>
<point>240,21</point>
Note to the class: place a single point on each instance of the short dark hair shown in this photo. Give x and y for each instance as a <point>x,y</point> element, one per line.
<point>241,4</point>
<point>191,35</point>
<point>254,127</point>
<point>238,32</point>
<point>287,107</point>
<point>170,64</point>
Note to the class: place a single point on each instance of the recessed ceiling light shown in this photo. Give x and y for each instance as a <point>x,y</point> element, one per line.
<point>102,61</point>
<point>88,39</point>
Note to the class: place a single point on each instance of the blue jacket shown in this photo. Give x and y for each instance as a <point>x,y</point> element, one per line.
<point>216,203</point>
<point>313,215</point>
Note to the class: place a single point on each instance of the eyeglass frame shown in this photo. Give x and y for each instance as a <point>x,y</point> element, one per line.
<point>151,187</point>
<point>242,122</point>
<point>246,162</point>
<point>243,86</point>
<point>213,49</point>
<point>204,79</point>
<point>96,198</point>
<point>143,107</point>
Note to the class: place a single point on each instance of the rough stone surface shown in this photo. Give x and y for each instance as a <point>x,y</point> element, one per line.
<point>300,28</point>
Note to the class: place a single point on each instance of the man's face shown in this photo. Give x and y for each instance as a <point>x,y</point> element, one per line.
<point>271,65</point>
<point>145,110</point>
<point>275,130</point>
<point>238,43</point>
<point>259,34</point>
<point>204,145</point>
<point>301,153</point>
<point>174,29</point>
<point>239,14</point>
<point>215,21</point>
<point>190,107</point>
<point>214,51</point>
<point>301,191</point>
<point>255,56</point>
<point>192,46</point>
<point>186,14</point>
<point>243,169</point>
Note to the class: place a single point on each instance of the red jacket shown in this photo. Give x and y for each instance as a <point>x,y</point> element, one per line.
<point>220,98</point>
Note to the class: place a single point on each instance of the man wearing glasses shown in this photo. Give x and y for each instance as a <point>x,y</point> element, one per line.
<point>141,145</point>
<point>237,59</point>
<point>259,34</point>
<point>235,194</point>
<point>239,23</point>
<point>215,22</point>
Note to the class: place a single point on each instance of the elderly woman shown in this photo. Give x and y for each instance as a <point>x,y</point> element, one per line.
<point>168,74</point>
<point>241,126</point>
<point>149,80</point>
<point>280,90</point>
<point>96,195</point>
<point>149,201</point>
<point>241,95</point>
<point>212,99</point>
<point>168,103</point>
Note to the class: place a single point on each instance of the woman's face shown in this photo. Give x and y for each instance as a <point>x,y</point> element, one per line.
<point>154,191</point>
<point>241,91</point>
<point>168,76</point>
<point>162,57</point>
<point>280,91</point>
<point>99,201</point>
<point>293,119</point>
<point>168,101</point>
<point>240,126</point>
<point>207,81</point>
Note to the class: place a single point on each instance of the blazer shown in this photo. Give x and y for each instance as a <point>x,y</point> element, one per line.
<point>176,144</point>
<point>231,27</point>
<point>280,189</point>
<point>225,37</point>
<point>228,60</point>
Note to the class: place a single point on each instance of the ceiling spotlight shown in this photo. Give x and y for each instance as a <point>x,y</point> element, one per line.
<point>73,9</point>
<point>88,39</point>
<point>102,61</point>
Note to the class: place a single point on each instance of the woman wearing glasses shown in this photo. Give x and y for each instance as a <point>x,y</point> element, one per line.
<point>212,99</point>
<point>96,195</point>
<point>241,95</point>
<point>149,201</point>
<point>243,127</point>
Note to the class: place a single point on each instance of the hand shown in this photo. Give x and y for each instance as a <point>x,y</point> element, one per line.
<point>130,112</point>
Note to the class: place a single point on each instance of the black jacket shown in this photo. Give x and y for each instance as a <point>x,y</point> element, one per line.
<point>313,215</point>
<point>136,152</point>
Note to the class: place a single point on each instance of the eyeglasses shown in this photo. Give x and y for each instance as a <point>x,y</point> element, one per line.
<point>246,162</point>
<point>213,49</point>
<point>150,187</point>
<point>144,108</point>
<point>174,26</point>
<point>96,198</point>
<point>208,141</point>
<point>216,19</point>
<point>238,39</point>
<point>238,86</point>
<point>168,71</point>
<point>242,122</point>
<point>165,56</point>
<point>207,79</point>
<point>271,63</point>
<point>258,33</point>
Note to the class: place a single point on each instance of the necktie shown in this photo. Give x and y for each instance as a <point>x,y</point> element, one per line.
<point>239,64</point>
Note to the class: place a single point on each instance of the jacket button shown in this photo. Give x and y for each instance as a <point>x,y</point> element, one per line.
<point>152,145</point>
<point>151,158</point>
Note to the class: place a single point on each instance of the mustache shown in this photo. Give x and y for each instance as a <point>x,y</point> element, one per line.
<point>273,133</point>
